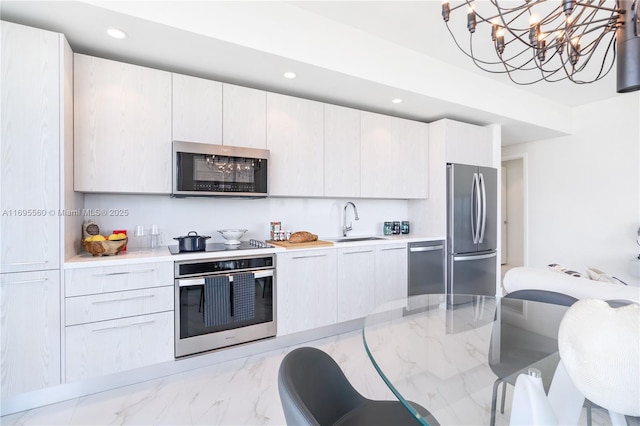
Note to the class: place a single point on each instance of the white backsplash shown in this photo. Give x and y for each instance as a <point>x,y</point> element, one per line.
<point>177,216</point>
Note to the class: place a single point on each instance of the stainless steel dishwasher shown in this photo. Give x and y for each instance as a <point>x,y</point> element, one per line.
<point>426,267</point>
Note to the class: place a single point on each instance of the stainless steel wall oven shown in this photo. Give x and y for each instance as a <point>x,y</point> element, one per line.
<point>223,302</point>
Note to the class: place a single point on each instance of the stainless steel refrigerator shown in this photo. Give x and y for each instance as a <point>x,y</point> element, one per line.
<point>471,231</point>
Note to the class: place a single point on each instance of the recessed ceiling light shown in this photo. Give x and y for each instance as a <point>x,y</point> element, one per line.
<point>396,100</point>
<point>116,33</point>
<point>289,74</point>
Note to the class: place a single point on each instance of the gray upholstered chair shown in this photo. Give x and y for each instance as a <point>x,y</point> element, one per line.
<point>314,391</point>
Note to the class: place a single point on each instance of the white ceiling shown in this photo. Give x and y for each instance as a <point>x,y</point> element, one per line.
<point>354,53</point>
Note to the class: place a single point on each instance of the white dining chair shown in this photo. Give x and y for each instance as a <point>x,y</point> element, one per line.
<point>600,360</point>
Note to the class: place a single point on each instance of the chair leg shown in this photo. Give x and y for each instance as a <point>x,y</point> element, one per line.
<point>494,401</point>
<point>504,394</point>
<point>588,407</point>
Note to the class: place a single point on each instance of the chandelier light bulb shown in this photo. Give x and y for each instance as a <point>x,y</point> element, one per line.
<point>500,41</point>
<point>446,10</point>
<point>471,19</point>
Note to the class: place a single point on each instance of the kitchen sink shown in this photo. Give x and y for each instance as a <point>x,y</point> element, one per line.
<point>353,239</point>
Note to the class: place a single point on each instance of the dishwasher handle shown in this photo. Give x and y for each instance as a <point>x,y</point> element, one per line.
<point>426,248</point>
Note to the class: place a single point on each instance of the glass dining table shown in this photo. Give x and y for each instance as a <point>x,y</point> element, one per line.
<point>451,357</point>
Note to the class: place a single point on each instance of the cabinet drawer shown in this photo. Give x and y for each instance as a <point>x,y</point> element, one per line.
<point>84,281</point>
<point>107,347</point>
<point>106,306</point>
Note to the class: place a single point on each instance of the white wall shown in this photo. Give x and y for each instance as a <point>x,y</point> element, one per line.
<point>584,190</point>
<point>176,217</point>
<point>515,212</point>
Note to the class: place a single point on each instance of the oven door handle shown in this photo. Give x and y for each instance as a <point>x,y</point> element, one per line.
<point>187,282</point>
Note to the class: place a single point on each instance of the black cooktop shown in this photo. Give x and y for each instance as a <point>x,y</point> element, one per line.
<point>244,245</point>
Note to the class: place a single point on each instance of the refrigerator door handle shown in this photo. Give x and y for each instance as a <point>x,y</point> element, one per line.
<point>483,203</point>
<point>475,257</point>
<point>475,208</point>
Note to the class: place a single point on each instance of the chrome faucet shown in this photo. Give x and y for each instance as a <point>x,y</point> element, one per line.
<point>346,228</point>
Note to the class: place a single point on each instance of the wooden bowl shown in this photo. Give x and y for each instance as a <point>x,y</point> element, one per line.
<point>104,248</point>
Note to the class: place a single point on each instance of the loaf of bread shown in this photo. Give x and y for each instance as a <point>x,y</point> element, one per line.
<point>302,237</point>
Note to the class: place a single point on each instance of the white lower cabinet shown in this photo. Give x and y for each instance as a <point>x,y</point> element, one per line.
<point>30,331</point>
<point>391,264</point>
<point>106,347</point>
<point>83,281</point>
<point>356,282</point>
<point>100,307</point>
<point>118,318</point>
<point>306,290</point>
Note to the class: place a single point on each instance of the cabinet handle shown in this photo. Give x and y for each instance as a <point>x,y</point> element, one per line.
<point>427,248</point>
<point>143,271</point>
<point>309,256</point>
<point>36,262</point>
<point>97,302</point>
<point>123,326</point>
<point>392,248</point>
<point>356,252</point>
<point>41,280</point>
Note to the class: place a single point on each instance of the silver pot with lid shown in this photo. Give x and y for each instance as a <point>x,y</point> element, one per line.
<point>192,242</point>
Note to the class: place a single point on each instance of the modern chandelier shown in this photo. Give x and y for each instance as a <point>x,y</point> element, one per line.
<point>552,40</point>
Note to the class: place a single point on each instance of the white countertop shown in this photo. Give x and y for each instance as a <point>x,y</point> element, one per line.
<point>162,254</point>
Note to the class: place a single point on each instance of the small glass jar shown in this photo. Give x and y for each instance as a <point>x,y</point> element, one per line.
<point>387,228</point>
<point>404,227</point>
<point>396,228</point>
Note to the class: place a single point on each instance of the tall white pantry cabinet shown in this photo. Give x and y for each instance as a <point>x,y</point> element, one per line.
<point>36,126</point>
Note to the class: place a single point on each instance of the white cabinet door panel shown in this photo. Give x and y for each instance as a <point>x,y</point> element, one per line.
<point>244,117</point>
<point>356,283</point>
<point>30,331</point>
<point>306,292</point>
<point>341,151</point>
<point>196,110</point>
<point>29,149</point>
<point>106,306</point>
<point>379,156</point>
<point>413,159</point>
<point>295,140</point>
<point>83,281</point>
<point>106,347</point>
<point>391,272</point>
<point>122,127</point>
<point>468,144</point>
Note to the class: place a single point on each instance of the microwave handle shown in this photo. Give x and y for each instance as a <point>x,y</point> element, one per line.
<point>187,282</point>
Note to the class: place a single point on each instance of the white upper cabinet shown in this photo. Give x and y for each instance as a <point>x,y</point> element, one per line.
<point>378,150</point>
<point>122,127</point>
<point>30,149</point>
<point>341,151</point>
<point>197,110</point>
<point>295,140</point>
<point>244,117</point>
<point>413,158</point>
<point>466,143</point>
<point>394,157</point>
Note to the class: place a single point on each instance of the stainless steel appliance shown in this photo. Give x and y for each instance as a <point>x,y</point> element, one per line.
<point>426,267</point>
<point>206,170</point>
<point>222,302</point>
<point>471,231</point>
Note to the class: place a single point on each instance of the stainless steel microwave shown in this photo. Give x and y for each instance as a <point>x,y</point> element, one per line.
<point>207,170</point>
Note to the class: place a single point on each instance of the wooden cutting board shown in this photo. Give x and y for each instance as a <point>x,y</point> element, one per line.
<point>310,244</point>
